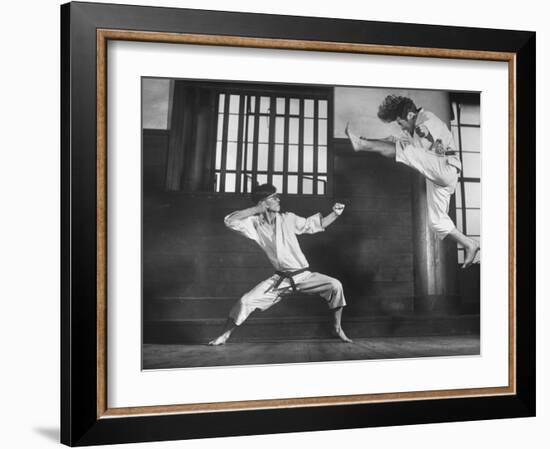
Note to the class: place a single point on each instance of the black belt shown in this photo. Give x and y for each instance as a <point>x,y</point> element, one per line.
<point>287,275</point>
<point>445,153</point>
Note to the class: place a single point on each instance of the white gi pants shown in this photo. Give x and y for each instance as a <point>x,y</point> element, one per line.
<point>441,178</point>
<point>263,296</point>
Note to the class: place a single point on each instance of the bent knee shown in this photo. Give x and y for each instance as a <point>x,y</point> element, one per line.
<point>336,285</point>
<point>441,227</point>
<point>245,299</point>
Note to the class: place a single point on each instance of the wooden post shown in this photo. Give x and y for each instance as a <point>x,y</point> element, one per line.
<point>177,139</point>
<point>191,141</point>
<point>199,168</point>
<point>435,261</point>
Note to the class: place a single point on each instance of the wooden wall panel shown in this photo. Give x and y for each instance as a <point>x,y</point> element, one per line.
<point>188,252</point>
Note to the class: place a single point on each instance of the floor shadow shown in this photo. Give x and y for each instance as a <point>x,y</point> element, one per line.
<point>50,433</point>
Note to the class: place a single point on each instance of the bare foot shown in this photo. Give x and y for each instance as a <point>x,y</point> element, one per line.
<point>471,251</point>
<point>355,141</point>
<point>341,335</point>
<point>219,341</point>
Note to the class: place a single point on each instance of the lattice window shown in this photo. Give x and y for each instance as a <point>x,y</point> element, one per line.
<point>280,138</point>
<point>466,131</point>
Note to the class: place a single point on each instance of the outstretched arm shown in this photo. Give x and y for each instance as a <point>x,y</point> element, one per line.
<point>337,210</point>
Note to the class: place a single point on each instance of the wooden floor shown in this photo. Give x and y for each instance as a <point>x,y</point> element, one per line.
<point>162,356</point>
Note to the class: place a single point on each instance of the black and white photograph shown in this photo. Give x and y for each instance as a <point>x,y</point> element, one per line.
<point>286,224</point>
<point>298,223</point>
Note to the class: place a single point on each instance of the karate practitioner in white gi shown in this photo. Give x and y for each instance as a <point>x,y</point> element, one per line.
<point>427,146</point>
<point>275,233</point>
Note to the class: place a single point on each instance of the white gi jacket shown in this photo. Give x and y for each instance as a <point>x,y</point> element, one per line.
<point>279,240</point>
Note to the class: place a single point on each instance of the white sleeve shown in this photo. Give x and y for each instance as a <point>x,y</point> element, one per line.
<point>245,227</point>
<point>439,131</point>
<point>301,225</point>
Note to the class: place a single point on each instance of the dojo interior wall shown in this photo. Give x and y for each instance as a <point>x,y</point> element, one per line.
<point>189,253</point>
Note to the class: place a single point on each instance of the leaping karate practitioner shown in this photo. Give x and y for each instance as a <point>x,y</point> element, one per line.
<point>275,233</point>
<point>427,146</point>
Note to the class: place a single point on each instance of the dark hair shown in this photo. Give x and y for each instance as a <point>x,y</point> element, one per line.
<point>261,192</point>
<point>394,107</point>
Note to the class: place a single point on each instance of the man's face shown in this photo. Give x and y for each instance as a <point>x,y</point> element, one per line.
<point>407,123</point>
<point>272,203</point>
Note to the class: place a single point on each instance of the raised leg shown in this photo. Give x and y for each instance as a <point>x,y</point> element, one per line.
<point>383,147</point>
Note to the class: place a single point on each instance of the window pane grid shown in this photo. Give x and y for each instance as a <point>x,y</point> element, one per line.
<point>315,144</point>
<point>301,142</point>
<point>255,137</point>
<point>224,143</point>
<point>281,139</point>
<point>466,131</point>
<point>285,143</point>
<point>271,139</point>
<point>246,150</point>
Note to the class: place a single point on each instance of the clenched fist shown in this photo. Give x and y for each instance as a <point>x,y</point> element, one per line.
<point>338,208</point>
